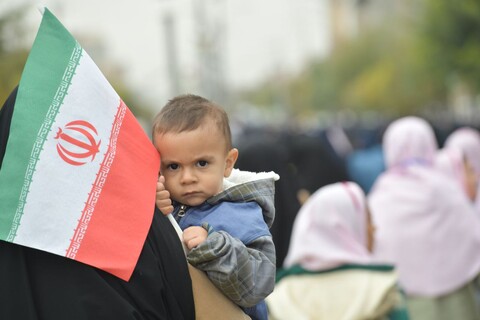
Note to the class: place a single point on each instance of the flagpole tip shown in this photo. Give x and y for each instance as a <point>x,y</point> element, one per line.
<point>41,9</point>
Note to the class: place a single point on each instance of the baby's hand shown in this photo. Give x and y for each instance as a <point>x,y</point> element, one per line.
<point>193,236</point>
<point>163,201</point>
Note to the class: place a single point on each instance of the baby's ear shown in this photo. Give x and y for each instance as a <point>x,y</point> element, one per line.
<point>230,161</point>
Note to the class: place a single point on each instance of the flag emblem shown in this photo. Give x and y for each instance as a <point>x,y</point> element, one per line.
<point>78,142</point>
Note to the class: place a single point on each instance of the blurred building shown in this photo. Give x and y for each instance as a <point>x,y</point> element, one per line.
<point>350,17</point>
<point>209,47</point>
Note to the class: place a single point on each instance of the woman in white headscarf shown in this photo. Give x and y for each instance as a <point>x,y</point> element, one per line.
<point>328,269</point>
<point>425,226</point>
<point>467,140</point>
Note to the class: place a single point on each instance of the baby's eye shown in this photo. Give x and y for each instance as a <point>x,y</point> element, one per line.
<point>172,166</point>
<point>202,163</point>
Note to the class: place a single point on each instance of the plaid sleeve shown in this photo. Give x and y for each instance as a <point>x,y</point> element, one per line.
<point>245,274</point>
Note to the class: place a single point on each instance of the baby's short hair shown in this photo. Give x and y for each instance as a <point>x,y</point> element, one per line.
<point>187,112</point>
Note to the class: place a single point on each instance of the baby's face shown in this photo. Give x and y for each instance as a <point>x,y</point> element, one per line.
<point>194,163</point>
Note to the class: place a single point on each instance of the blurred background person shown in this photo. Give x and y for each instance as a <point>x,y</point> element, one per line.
<point>467,140</point>
<point>304,164</point>
<point>329,272</point>
<point>453,163</point>
<point>365,165</point>
<point>426,226</point>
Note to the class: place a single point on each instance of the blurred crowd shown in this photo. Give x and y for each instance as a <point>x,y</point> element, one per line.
<point>377,223</point>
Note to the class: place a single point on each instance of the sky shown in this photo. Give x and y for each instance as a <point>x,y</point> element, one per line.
<point>244,41</point>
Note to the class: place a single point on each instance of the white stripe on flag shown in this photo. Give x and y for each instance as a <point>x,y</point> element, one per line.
<point>90,98</point>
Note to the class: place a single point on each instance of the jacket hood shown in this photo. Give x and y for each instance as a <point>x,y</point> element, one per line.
<point>249,186</point>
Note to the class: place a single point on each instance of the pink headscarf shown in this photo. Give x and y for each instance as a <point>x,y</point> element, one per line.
<point>330,229</point>
<point>450,162</point>
<point>425,224</point>
<point>468,141</point>
<point>407,140</point>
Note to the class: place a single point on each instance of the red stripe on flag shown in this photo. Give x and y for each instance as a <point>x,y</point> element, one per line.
<point>114,233</point>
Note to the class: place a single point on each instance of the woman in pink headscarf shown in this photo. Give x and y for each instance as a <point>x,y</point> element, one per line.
<point>452,162</point>
<point>467,140</point>
<point>328,269</point>
<point>425,226</point>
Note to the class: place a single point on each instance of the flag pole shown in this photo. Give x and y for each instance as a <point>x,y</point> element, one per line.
<point>178,230</point>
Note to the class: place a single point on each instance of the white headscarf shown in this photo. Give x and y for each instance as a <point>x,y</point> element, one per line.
<point>424,223</point>
<point>330,229</point>
<point>468,141</point>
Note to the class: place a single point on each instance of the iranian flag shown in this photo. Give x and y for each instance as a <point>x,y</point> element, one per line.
<point>79,173</point>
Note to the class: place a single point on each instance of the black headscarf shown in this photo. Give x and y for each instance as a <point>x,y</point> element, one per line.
<point>40,285</point>
<point>5,117</point>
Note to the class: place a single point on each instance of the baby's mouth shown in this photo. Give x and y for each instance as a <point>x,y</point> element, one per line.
<point>191,193</point>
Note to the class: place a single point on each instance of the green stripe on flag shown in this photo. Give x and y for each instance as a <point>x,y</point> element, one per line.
<point>45,81</point>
